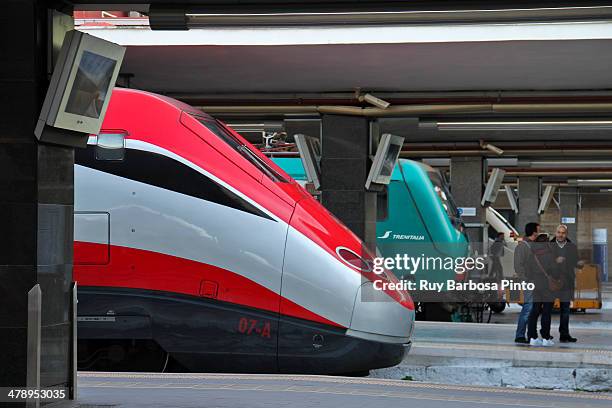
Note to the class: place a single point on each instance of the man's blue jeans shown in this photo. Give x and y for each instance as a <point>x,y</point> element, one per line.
<point>521,326</point>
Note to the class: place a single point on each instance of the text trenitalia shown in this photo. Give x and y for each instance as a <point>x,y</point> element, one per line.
<point>452,285</point>
<point>412,265</point>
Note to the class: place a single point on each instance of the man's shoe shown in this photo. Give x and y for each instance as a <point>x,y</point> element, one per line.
<point>548,343</point>
<point>521,340</point>
<point>567,339</point>
<point>536,342</point>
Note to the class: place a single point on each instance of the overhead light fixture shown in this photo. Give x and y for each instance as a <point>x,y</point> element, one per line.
<point>589,182</point>
<point>565,164</point>
<point>528,125</point>
<point>491,161</point>
<point>491,148</point>
<point>257,127</point>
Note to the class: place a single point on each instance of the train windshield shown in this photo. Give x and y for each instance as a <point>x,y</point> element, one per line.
<point>241,148</point>
<point>441,188</point>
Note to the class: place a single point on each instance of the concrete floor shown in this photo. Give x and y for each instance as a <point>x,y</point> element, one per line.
<point>590,336</point>
<point>591,318</point>
<point>486,355</point>
<point>253,391</point>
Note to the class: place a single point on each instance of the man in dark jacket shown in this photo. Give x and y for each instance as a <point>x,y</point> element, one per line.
<point>496,252</point>
<point>546,268</point>
<point>566,255</point>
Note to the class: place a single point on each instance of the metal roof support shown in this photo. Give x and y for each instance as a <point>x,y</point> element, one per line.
<point>170,17</point>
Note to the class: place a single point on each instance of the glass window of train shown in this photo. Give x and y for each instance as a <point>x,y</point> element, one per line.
<point>382,205</point>
<point>250,155</point>
<point>241,148</point>
<point>443,193</point>
<point>110,146</point>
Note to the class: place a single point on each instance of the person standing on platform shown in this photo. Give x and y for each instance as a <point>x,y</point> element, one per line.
<point>547,283</point>
<point>524,266</point>
<point>566,255</point>
<point>497,252</point>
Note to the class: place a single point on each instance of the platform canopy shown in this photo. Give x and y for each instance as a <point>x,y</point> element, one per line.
<point>528,56</point>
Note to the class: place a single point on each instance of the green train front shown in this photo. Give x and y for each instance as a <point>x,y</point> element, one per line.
<point>418,218</point>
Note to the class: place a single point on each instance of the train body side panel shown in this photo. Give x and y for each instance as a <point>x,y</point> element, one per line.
<point>196,267</point>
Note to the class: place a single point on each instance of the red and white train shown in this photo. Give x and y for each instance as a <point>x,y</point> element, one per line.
<point>188,237</point>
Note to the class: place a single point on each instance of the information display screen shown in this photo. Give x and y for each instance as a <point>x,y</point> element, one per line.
<point>90,85</point>
<point>390,160</point>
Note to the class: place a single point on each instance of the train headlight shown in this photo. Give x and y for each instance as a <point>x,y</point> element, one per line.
<point>354,260</point>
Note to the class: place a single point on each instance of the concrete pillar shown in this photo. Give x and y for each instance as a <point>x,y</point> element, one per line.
<point>36,204</point>
<point>528,201</point>
<point>344,169</point>
<point>569,209</point>
<point>467,176</point>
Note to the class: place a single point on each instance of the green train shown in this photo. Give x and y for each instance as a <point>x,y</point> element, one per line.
<point>416,215</point>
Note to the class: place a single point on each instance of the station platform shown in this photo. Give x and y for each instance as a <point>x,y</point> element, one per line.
<point>487,355</point>
<point>496,341</point>
<point>137,390</point>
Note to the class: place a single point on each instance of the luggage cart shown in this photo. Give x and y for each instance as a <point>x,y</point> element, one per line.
<point>587,292</point>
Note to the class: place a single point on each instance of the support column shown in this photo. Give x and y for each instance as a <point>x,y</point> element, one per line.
<point>344,169</point>
<point>569,209</point>
<point>467,180</point>
<point>36,204</point>
<point>528,202</point>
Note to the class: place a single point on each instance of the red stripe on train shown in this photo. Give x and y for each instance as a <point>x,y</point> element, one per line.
<point>141,269</point>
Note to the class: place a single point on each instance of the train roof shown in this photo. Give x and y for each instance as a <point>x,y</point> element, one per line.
<point>409,165</point>
<point>126,92</point>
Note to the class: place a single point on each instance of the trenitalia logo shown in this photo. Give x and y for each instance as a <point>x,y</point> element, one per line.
<point>402,237</point>
<point>385,235</point>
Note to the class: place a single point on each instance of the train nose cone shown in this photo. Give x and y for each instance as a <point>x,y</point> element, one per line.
<point>325,261</point>
<point>379,317</point>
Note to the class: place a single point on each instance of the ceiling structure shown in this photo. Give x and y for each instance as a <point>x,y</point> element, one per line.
<point>565,56</point>
<point>538,63</point>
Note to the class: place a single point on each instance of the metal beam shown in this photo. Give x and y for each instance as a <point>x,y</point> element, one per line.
<point>173,17</point>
